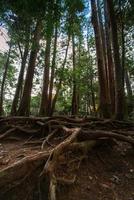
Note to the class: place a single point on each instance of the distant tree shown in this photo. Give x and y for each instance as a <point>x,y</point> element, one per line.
<point>6,65</point>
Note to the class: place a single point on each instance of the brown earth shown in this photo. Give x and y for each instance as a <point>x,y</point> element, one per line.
<point>104,172</point>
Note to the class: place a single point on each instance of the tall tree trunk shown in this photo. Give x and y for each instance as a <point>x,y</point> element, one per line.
<point>20,80</point>
<point>75,93</point>
<point>44,98</point>
<point>61,78</point>
<point>24,107</point>
<point>126,80</point>
<point>93,95</point>
<point>103,43</point>
<point>129,93</point>
<point>3,81</point>
<point>110,64</point>
<point>119,89</point>
<point>91,79</point>
<point>53,70</point>
<point>104,104</point>
<point>123,49</point>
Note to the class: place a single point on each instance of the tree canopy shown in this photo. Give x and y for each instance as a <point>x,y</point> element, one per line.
<point>83,48</point>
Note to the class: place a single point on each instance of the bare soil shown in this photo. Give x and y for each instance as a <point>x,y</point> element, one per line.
<point>106,174</point>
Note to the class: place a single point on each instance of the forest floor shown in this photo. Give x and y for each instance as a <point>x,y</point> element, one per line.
<point>96,168</point>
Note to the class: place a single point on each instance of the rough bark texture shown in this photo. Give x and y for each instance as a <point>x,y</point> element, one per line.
<point>3,81</point>
<point>53,71</point>
<point>111,76</point>
<point>103,43</point>
<point>119,89</point>
<point>129,93</point>
<point>20,80</point>
<point>91,81</point>
<point>104,106</point>
<point>44,98</point>
<point>61,79</point>
<point>24,107</point>
<point>75,92</point>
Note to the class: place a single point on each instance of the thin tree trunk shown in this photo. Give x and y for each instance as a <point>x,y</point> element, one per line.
<point>104,104</point>
<point>129,93</point>
<point>91,80</point>
<point>20,80</point>
<point>44,98</point>
<point>52,71</point>
<point>75,88</point>
<point>24,107</point>
<point>110,64</point>
<point>93,96</point>
<point>126,80</point>
<point>123,49</point>
<point>122,29</point>
<point>3,81</point>
<point>61,78</point>
<point>119,89</point>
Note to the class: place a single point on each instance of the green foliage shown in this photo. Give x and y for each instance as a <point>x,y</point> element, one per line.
<point>19,17</point>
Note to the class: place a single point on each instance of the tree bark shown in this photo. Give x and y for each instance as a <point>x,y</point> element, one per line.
<point>61,78</point>
<point>20,80</point>
<point>44,98</point>
<point>24,107</point>
<point>103,43</point>
<point>3,81</point>
<point>119,89</point>
<point>110,63</point>
<point>75,92</point>
<point>91,79</point>
<point>104,104</point>
<point>53,70</point>
<point>129,93</point>
<point>122,29</point>
<point>92,95</point>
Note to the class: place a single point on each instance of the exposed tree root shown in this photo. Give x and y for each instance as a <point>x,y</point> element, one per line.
<point>48,138</point>
<point>52,162</point>
<point>7,133</point>
<point>62,134</point>
<point>18,170</point>
<point>98,134</point>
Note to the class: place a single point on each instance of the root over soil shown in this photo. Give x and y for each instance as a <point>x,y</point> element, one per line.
<point>39,149</point>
